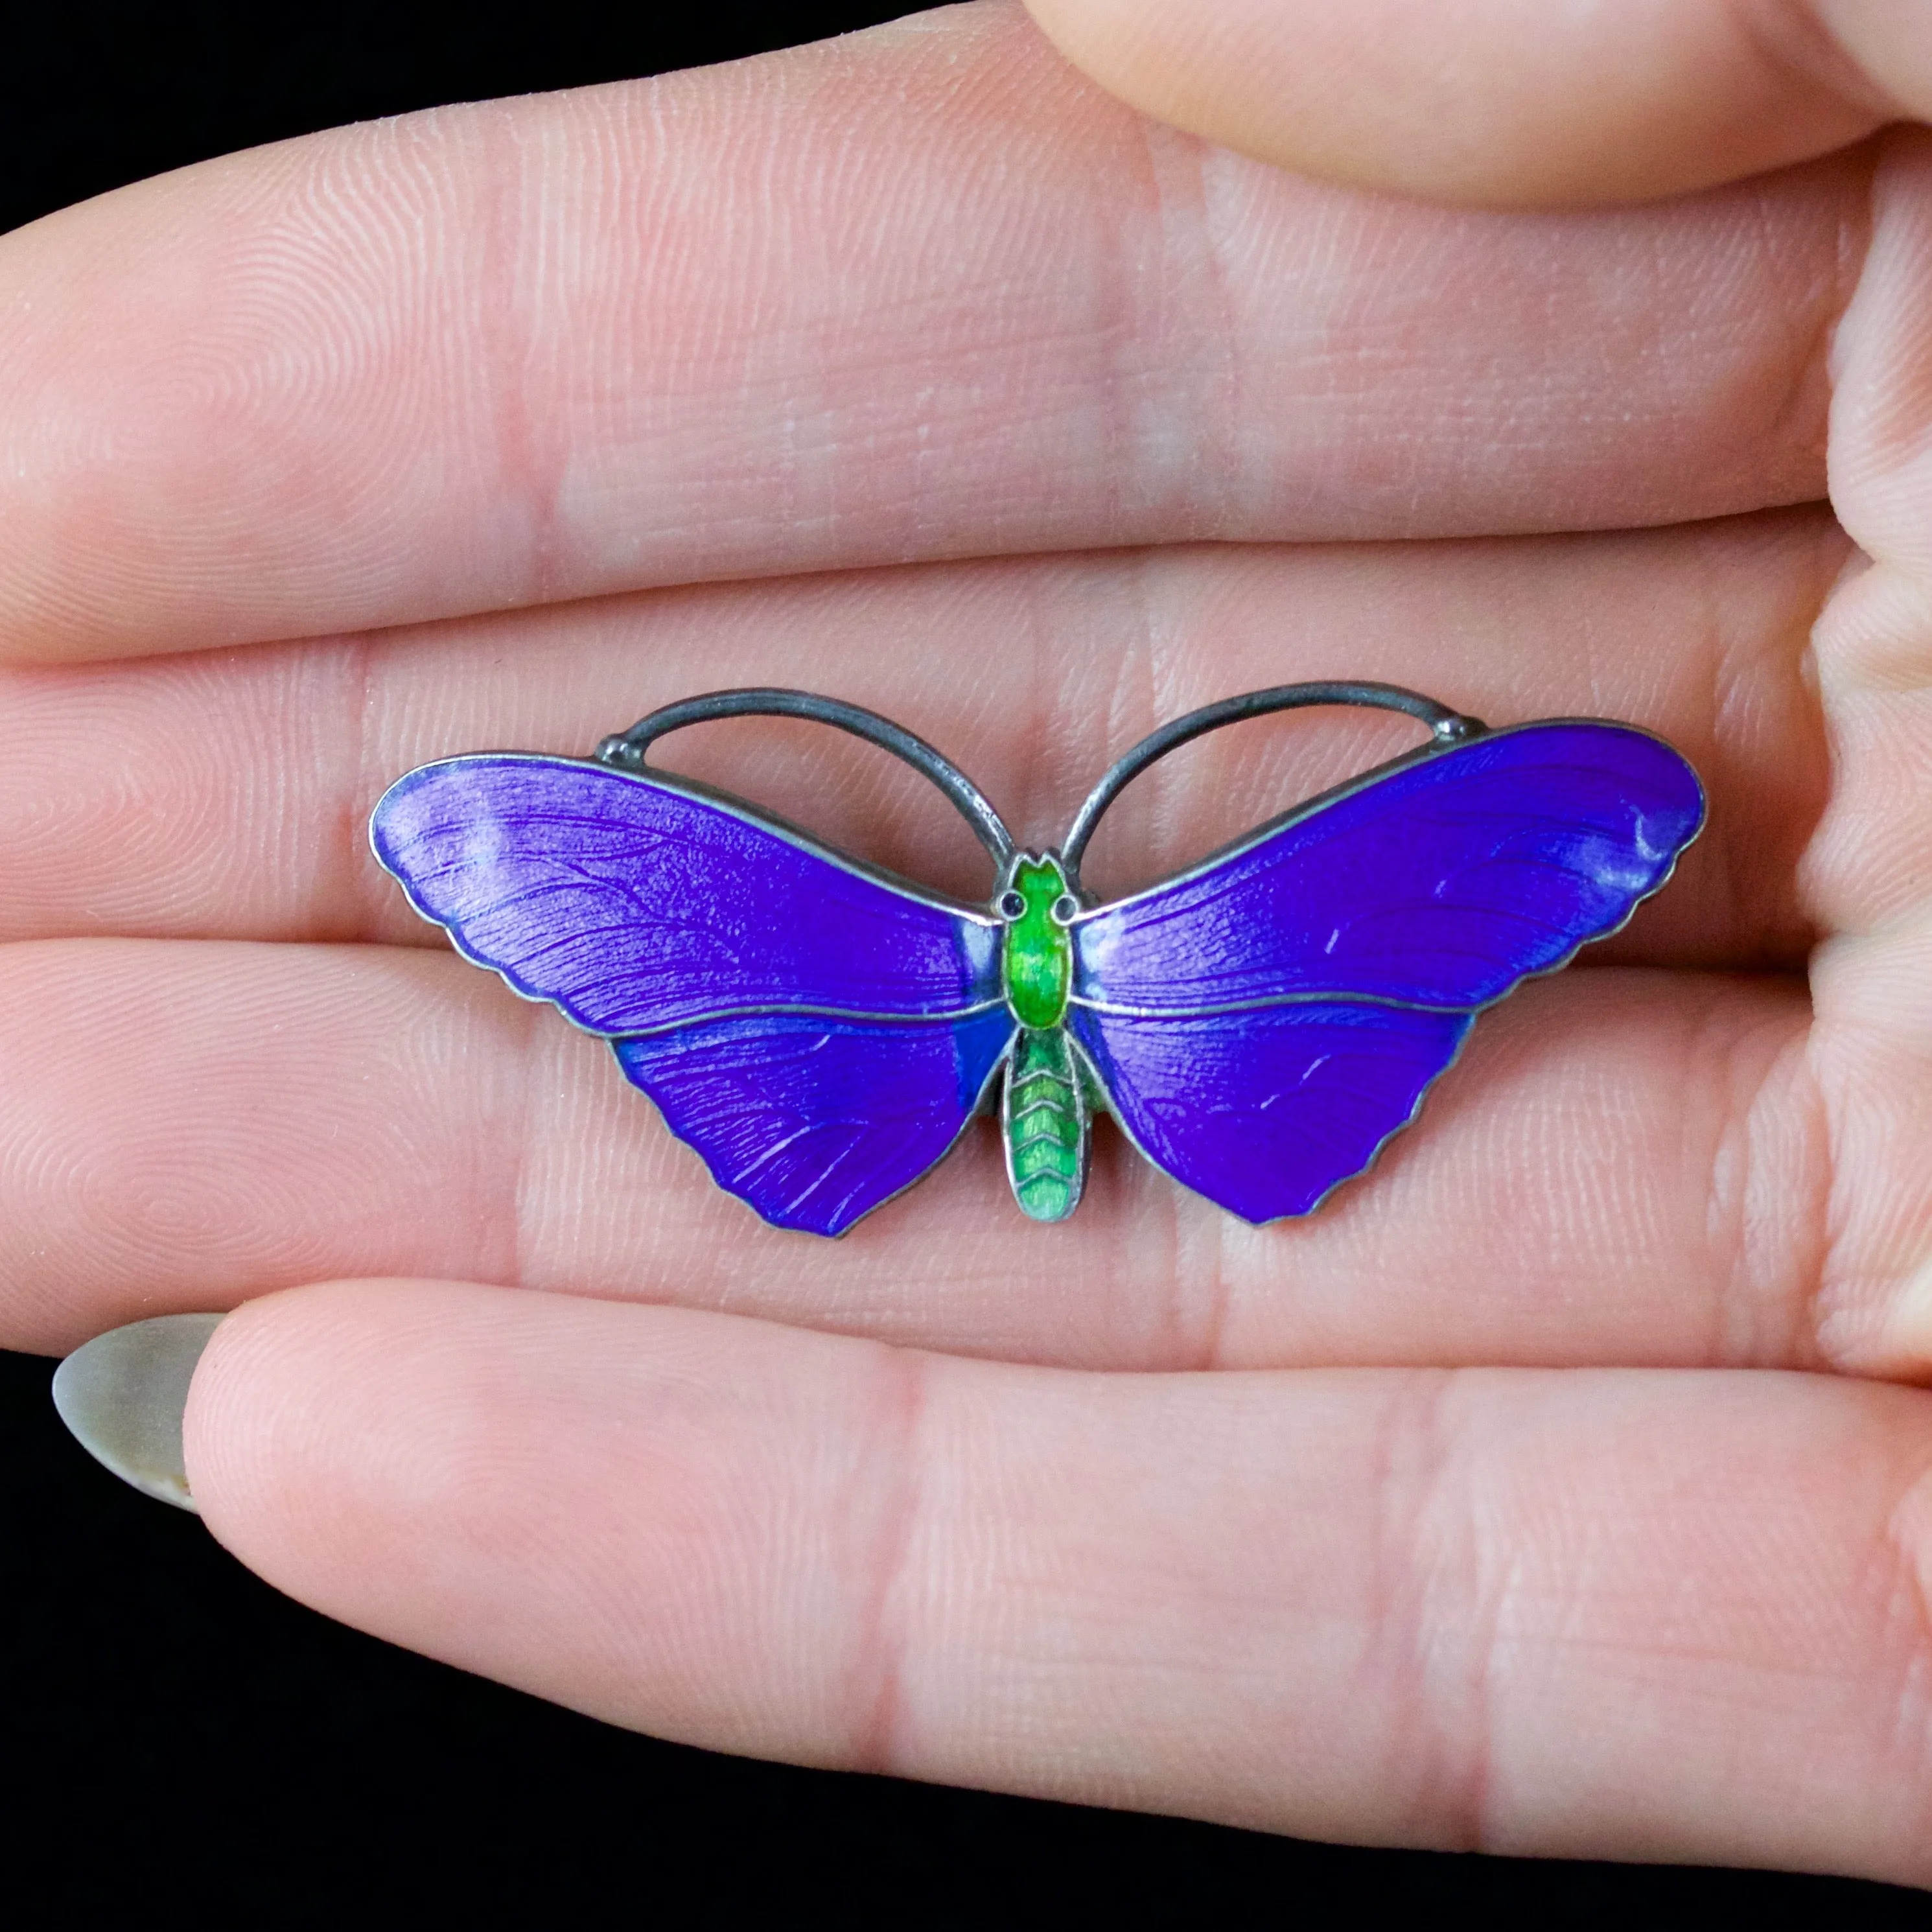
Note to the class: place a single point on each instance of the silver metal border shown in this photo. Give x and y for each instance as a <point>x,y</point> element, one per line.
<point>626,750</point>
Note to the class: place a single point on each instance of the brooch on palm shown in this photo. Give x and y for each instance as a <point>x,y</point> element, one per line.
<point>822,1031</point>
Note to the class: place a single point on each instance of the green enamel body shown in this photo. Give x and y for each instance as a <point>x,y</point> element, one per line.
<point>1044,1111</point>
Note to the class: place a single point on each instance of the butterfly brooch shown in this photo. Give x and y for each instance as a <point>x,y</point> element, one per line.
<point>822,1031</point>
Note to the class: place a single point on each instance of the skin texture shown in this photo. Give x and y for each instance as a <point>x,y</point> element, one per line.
<point>1561,1487</point>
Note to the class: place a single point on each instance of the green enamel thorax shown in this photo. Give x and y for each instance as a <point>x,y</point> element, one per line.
<point>1037,963</point>
<point>1044,1110</point>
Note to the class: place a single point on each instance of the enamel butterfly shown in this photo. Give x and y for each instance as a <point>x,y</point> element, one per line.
<point>822,1032</point>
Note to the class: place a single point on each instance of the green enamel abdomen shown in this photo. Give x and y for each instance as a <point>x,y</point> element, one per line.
<point>1043,1110</point>
<point>1044,1118</point>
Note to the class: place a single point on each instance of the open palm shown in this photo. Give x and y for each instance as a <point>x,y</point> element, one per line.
<point>1553,1507</point>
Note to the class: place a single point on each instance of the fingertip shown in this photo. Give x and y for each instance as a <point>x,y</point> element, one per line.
<point>596,1502</point>
<point>292,1392</point>
<point>1505,103</point>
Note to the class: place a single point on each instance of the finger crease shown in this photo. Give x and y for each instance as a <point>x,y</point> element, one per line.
<point>879,1640</point>
<point>359,914</point>
<point>1905,1639</point>
<point>1433,1628</point>
<point>515,1164</point>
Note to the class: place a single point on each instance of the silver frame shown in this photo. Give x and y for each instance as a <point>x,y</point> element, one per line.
<point>626,750</point>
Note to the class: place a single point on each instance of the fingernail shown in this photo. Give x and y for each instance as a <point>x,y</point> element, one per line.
<point>124,1393</point>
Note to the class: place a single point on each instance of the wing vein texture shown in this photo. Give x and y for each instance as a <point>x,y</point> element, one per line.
<point>1265,1110</point>
<point>1441,884</point>
<point>633,905</point>
<point>815,1122</point>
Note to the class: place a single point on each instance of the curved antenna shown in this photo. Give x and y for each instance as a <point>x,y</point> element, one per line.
<point>1446,727</point>
<point>625,749</point>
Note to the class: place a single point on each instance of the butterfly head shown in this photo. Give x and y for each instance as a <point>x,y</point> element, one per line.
<point>1038,906</point>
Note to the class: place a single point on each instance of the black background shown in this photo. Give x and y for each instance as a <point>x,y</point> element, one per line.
<point>175,1731</point>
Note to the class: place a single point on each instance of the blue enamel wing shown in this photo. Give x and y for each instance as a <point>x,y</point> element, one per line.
<point>821,1032</point>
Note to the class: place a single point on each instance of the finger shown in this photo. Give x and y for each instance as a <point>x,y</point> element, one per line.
<point>1510,101</point>
<point>1637,1616</point>
<point>913,294</point>
<point>1869,869</point>
<point>188,797</point>
<point>1623,1167</point>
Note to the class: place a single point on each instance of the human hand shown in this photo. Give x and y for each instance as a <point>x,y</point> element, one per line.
<point>1473,1551</point>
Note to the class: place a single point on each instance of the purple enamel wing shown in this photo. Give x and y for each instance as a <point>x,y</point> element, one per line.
<point>822,1032</point>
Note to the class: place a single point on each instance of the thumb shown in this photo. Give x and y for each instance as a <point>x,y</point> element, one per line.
<point>1512,101</point>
